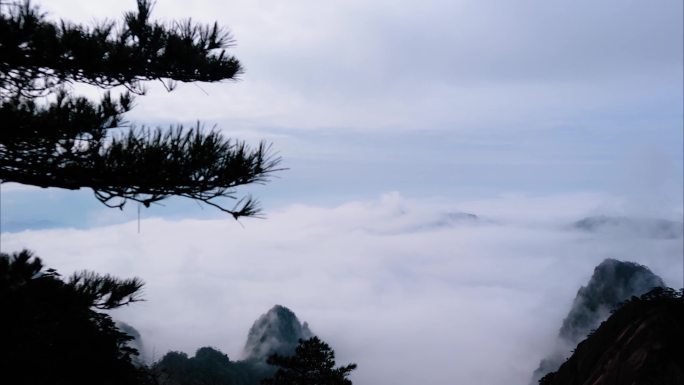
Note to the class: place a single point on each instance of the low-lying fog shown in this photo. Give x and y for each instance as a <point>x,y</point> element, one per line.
<point>414,292</point>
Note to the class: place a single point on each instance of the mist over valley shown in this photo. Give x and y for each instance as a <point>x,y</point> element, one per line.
<point>377,279</point>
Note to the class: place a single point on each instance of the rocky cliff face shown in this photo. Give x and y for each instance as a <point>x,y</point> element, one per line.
<point>640,344</point>
<point>277,331</point>
<point>612,282</point>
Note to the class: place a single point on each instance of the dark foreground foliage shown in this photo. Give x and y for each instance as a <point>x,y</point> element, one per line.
<point>312,364</point>
<point>51,333</point>
<point>209,366</point>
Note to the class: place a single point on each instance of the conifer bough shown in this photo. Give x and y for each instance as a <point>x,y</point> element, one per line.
<point>52,138</point>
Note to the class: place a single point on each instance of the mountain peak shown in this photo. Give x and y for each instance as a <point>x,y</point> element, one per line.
<point>611,283</point>
<point>277,331</point>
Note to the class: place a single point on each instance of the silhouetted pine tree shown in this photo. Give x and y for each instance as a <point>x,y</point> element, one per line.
<point>50,333</point>
<point>312,364</point>
<point>52,138</point>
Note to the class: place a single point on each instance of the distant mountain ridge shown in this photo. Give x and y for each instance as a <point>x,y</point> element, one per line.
<point>435,221</point>
<point>642,227</point>
<point>611,283</point>
<point>453,218</point>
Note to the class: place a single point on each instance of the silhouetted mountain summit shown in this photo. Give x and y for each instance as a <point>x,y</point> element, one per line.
<point>612,282</point>
<point>277,331</point>
<point>639,344</point>
<point>640,227</point>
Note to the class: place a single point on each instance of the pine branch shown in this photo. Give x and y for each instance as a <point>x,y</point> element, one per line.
<point>105,292</point>
<point>39,55</point>
<point>145,165</point>
<point>66,141</point>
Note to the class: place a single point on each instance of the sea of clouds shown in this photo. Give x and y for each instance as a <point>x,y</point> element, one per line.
<point>413,291</point>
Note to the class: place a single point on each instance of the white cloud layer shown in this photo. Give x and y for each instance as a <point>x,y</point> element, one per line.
<point>391,284</point>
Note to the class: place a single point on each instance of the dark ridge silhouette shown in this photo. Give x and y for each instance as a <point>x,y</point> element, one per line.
<point>639,227</point>
<point>209,366</point>
<point>276,332</point>
<point>612,282</point>
<point>639,344</point>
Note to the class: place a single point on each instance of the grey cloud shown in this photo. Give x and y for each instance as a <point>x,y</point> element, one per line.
<point>429,65</point>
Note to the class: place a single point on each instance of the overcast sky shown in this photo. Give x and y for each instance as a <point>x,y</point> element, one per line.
<point>432,99</point>
<point>388,114</point>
